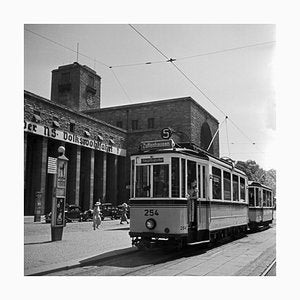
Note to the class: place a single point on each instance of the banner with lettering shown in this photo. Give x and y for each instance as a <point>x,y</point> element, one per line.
<point>68,137</point>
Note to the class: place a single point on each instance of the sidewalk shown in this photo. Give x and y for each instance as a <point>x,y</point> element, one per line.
<point>79,242</point>
<point>248,256</point>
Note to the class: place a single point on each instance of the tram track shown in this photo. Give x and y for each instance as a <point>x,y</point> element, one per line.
<point>267,270</point>
<point>136,262</point>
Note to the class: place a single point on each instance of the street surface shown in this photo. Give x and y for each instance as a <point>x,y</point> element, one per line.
<point>79,241</point>
<point>248,256</point>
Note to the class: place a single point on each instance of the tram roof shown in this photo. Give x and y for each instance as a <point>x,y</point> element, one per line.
<point>258,184</point>
<point>190,149</point>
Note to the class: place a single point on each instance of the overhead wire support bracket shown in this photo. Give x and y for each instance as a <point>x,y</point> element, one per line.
<point>171,60</point>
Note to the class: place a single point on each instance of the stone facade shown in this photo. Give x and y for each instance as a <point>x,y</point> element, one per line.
<point>76,86</point>
<point>188,120</point>
<point>98,142</point>
<point>96,152</point>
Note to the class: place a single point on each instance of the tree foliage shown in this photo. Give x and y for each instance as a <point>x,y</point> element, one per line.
<point>255,173</point>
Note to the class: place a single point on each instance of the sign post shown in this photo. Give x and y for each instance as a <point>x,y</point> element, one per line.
<point>59,196</point>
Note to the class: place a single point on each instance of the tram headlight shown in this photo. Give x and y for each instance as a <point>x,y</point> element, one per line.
<point>150,223</point>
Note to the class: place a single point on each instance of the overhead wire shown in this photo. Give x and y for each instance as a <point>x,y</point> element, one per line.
<point>84,55</point>
<point>66,47</point>
<point>148,62</point>
<point>139,64</point>
<point>226,50</point>
<point>148,41</point>
<point>120,84</point>
<point>169,60</point>
<point>173,63</point>
<point>254,144</point>
<point>192,56</point>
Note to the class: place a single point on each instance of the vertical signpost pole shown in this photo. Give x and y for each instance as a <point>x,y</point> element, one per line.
<point>59,196</point>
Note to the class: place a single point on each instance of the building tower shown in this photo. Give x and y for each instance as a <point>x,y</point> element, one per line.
<point>76,86</point>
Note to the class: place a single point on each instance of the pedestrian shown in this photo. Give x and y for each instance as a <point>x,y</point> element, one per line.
<point>96,216</point>
<point>124,213</point>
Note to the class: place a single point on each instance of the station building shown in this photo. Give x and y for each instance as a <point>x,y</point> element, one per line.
<point>98,141</point>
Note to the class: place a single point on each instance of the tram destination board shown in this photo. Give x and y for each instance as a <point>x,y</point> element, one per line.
<point>152,160</point>
<point>158,144</point>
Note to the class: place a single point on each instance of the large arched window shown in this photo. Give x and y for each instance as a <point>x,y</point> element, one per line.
<point>206,137</point>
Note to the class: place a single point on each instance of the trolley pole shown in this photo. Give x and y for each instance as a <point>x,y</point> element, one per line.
<point>59,196</point>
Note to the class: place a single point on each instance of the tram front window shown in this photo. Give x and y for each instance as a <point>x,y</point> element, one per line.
<point>142,185</point>
<point>160,181</point>
<point>175,177</point>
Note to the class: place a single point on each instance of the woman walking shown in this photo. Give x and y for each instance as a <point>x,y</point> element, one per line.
<point>96,216</point>
<point>124,214</point>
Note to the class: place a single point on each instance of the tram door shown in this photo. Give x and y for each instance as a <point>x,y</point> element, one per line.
<point>192,201</point>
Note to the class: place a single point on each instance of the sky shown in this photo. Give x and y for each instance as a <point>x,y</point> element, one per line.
<point>238,83</point>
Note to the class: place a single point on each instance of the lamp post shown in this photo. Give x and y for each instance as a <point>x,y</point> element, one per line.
<point>59,196</point>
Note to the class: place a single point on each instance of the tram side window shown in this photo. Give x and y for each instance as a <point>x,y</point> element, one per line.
<point>183,178</point>
<point>142,185</point>
<point>203,182</point>
<point>175,177</point>
<point>251,197</point>
<point>235,186</point>
<point>161,181</point>
<point>227,185</point>
<point>242,189</point>
<point>269,199</point>
<point>216,183</point>
<point>264,198</point>
<point>199,180</point>
<point>132,178</point>
<point>258,197</point>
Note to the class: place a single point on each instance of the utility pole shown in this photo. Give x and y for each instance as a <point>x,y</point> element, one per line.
<point>77,52</point>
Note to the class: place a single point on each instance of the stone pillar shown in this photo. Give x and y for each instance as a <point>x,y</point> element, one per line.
<point>114,180</point>
<point>77,180</point>
<point>40,192</point>
<point>44,172</point>
<point>92,168</point>
<point>103,177</point>
<point>25,153</point>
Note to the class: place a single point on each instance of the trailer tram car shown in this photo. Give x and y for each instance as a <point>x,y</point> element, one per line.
<point>182,195</point>
<point>261,205</point>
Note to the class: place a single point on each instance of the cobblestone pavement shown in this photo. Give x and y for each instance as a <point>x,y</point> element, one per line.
<point>79,241</point>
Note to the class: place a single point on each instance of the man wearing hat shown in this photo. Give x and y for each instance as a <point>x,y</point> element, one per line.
<point>96,216</point>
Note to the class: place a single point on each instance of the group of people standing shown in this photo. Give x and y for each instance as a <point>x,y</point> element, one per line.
<point>97,215</point>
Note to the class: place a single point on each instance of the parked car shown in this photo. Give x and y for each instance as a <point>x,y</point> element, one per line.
<point>87,215</point>
<point>72,213</point>
<point>107,211</point>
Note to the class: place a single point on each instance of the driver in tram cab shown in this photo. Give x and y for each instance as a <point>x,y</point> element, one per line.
<point>192,189</point>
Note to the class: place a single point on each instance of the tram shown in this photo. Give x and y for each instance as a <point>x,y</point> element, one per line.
<point>261,205</point>
<point>182,195</point>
